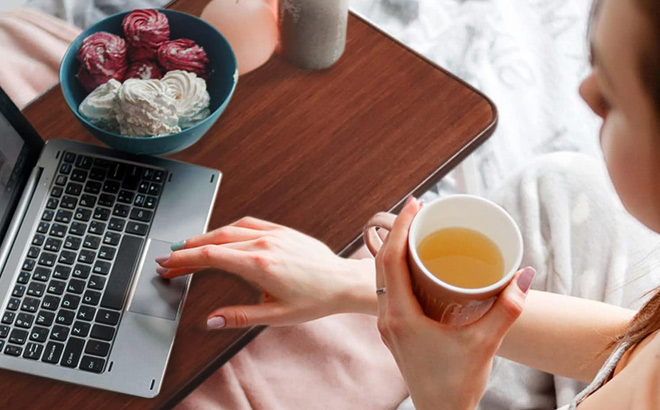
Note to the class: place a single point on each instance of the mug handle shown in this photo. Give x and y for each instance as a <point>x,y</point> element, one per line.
<point>382,220</point>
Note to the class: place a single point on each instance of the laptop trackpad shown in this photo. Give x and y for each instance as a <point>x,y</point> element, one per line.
<point>155,296</point>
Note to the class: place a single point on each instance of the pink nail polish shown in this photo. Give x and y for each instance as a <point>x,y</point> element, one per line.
<point>162,271</point>
<point>162,259</point>
<point>217,322</point>
<point>525,279</point>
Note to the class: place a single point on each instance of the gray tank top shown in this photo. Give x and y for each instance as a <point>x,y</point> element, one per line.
<point>603,376</point>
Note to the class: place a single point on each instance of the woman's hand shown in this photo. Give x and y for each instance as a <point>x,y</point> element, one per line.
<point>444,367</point>
<point>302,279</point>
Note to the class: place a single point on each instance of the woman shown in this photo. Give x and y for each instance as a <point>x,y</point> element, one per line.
<point>448,367</point>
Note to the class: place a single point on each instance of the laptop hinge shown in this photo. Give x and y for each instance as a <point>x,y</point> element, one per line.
<point>19,215</point>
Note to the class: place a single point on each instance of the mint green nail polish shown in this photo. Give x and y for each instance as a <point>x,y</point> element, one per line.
<point>178,245</point>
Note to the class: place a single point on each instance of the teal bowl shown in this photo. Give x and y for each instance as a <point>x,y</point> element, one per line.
<point>220,84</point>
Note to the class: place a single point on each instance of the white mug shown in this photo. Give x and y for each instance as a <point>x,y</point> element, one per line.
<point>442,301</point>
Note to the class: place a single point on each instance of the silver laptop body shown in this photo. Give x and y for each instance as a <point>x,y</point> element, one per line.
<point>88,266</point>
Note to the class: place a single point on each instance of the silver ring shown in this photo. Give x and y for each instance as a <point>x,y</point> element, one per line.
<point>380,291</point>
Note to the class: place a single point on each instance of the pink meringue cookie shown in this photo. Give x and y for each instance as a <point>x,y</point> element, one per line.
<point>144,70</point>
<point>183,54</point>
<point>145,30</point>
<point>102,56</point>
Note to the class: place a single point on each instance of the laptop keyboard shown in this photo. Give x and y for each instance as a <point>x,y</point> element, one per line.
<point>67,301</point>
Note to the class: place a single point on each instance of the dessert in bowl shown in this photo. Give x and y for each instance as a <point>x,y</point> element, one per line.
<point>149,81</point>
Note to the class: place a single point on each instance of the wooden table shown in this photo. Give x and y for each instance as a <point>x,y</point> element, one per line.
<point>317,151</point>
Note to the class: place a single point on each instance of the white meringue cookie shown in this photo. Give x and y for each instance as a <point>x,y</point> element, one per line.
<point>99,106</point>
<point>146,108</point>
<point>192,98</point>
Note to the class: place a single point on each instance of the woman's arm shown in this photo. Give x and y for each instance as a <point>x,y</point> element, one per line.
<point>564,335</point>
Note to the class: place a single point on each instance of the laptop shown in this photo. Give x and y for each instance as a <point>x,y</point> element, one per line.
<point>80,225</point>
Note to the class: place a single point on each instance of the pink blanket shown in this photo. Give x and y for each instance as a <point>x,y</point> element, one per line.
<point>31,47</point>
<point>337,362</point>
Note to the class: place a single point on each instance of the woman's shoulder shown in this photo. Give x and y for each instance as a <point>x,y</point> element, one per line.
<point>636,381</point>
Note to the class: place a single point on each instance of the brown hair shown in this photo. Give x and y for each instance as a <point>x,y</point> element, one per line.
<point>647,320</point>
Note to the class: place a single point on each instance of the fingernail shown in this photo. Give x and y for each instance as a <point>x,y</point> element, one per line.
<point>162,271</point>
<point>409,200</point>
<point>162,259</point>
<point>525,279</point>
<point>217,322</point>
<point>177,246</point>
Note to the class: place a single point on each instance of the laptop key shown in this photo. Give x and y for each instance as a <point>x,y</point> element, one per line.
<point>33,252</point>
<point>41,274</point>
<point>18,336</point>
<point>143,188</point>
<point>8,317</point>
<point>137,228</point>
<point>83,214</point>
<point>45,318</point>
<point>107,200</point>
<point>107,253</point>
<point>96,282</point>
<point>38,240</point>
<point>56,191</point>
<point>73,188</point>
<point>65,317</point>
<point>18,291</point>
<point>47,259</point>
<point>111,238</point>
<point>122,272</point>
<point>33,351</point>
<point>69,202</point>
<point>65,168</point>
<point>43,227</point>
<point>125,197</point>
<point>78,228</point>
<point>142,215</point>
<point>59,333</point>
<point>159,176</point>
<point>92,364</point>
<point>50,302</point>
<point>102,163</point>
<point>121,210</point>
<point>14,304</point>
<point>86,313</point>
<point>4,331</point>
<point>67,257</point>
<point>154,189</point>
<point>69,157</point>
<point>116,224</point>
<point>81,271</point>
<point>86,256</point>
<point>91,297</point>
<point>52,203</point>
<point>72,352</point>
<point>30,305</point>
<point>72,242</point>
<point>111,187</point>
<point>28,265</point>
<point>63,216</point>
<point>101,267</point>
<point>79,175</point>
<point>97,348</point>
<point>80,329</point>
<point>24,320</point>
<point>97,227</point>
<point>76,286</point>
<point>97,174</point>
<point>61,272</point>
<point>48,215</point>
<point>102,214</point>
<point>60,180</point>
<point>132,178</point>
<point>92,242</point>
<point>58,230</point>
<point>88,201</point>
<point>71,301</point>
<point>84,162</point>
<point>36,289</point>
<point>39,334</point>
<point>53,245</point>
<point>53,352</point>
<point>102,332</point>
<point>93,187</point>
<point>23,277</point>
<point>107,317</point>
<point>56,287</point>
<point>117,171</point>
<point>13,350</point>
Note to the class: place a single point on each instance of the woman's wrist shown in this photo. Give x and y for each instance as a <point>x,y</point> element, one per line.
<point>357,281</point>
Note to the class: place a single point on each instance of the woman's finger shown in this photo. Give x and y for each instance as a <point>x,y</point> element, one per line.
<point>242,263</point>
<point>508,306</point>
<point>255,223</point>
<point>175,273</point>
<point>226,234</point>
<point>400,299</point>
<point>267,313</point>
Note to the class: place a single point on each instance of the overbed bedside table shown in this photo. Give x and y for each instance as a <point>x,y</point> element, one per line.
<point>320,151</point>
